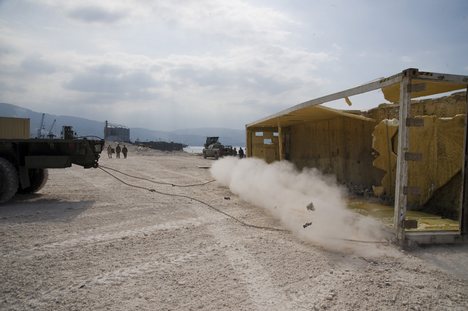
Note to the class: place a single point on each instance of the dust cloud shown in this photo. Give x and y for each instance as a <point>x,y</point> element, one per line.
<point>288,193</point>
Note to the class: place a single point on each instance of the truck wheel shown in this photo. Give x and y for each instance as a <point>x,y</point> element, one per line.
<point>37,179</point>
<point>8,180</point>
<point>216,155</point>
<point>204,155</point>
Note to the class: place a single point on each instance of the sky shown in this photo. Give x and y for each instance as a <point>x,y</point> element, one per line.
<point>167,65</point>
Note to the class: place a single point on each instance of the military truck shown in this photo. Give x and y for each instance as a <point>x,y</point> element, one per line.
<point>214,148</point>
<point>24,161</point>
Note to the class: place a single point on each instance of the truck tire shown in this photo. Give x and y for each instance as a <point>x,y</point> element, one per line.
<point>8,180</point>
<point>37,179</point>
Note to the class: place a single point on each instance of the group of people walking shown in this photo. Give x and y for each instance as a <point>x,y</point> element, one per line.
<point>118,150</point>
<point>241,152</point>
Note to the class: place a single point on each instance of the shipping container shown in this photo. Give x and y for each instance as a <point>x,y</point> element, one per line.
<point>14,128</point>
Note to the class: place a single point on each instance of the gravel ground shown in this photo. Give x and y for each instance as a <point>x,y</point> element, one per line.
<point>89,242</point>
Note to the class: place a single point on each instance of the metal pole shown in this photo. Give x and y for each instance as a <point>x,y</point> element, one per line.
<point>248,143</point>
<point>346,93</point>
<point>464,202</point>
<point>402,166</point>
<point>280,142</point>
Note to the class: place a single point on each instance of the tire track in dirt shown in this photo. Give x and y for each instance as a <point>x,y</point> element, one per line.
<point>150,174</point>
<point>68,236</point>
<point>153,172</point>
<point>146,195</point>
<point>90,178</point>
<point>81,241</point>
<point>103,237</point>
<point>90,223</point>
<point>75,179</point>
<point>119,276</point>
<point>107,188</point>
<point>247,269</point>
<point>127,210</point>
<point>319,292</point>
<point>254,278</point>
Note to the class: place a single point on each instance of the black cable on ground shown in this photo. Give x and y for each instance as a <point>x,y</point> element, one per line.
<point>197,200</point>
<point>215,208</point>
<point>154,181</point>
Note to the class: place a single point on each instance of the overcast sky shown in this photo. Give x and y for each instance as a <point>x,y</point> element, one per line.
<point>211,63</point>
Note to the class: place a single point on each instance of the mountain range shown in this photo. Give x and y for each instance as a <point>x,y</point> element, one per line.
<point>86,127</point>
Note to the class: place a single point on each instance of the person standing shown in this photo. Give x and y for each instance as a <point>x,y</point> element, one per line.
<point>241,153</point>
<point>124,151</point>
<point>117,151</point>
<point>109,151</point>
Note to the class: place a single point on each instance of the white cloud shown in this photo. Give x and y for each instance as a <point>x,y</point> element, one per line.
<point>235,19</point>
<point>112,80</point>
<point>160,64</point>
<point>244,81</point>
<point>95,14</point>
<point>70,5</point>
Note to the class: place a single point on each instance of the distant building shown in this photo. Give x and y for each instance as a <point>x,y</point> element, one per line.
<point>116,132</point>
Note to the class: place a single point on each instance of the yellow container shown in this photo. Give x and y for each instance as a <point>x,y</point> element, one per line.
<point>14,128</point>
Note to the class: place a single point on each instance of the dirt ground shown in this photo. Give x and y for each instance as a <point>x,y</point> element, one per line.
<point>89,242</point>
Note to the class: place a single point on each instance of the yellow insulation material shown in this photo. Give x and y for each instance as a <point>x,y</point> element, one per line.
<point>439,141</point>
<point>420,88</point>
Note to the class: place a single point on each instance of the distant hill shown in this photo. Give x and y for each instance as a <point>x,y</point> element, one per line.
<point>86,127</point>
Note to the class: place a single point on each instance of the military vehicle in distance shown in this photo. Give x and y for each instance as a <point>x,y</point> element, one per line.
<point>24,161</point>
<point>213,148</point>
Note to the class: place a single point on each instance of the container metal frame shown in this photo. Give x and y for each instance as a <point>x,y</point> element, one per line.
<point>404,79</point>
